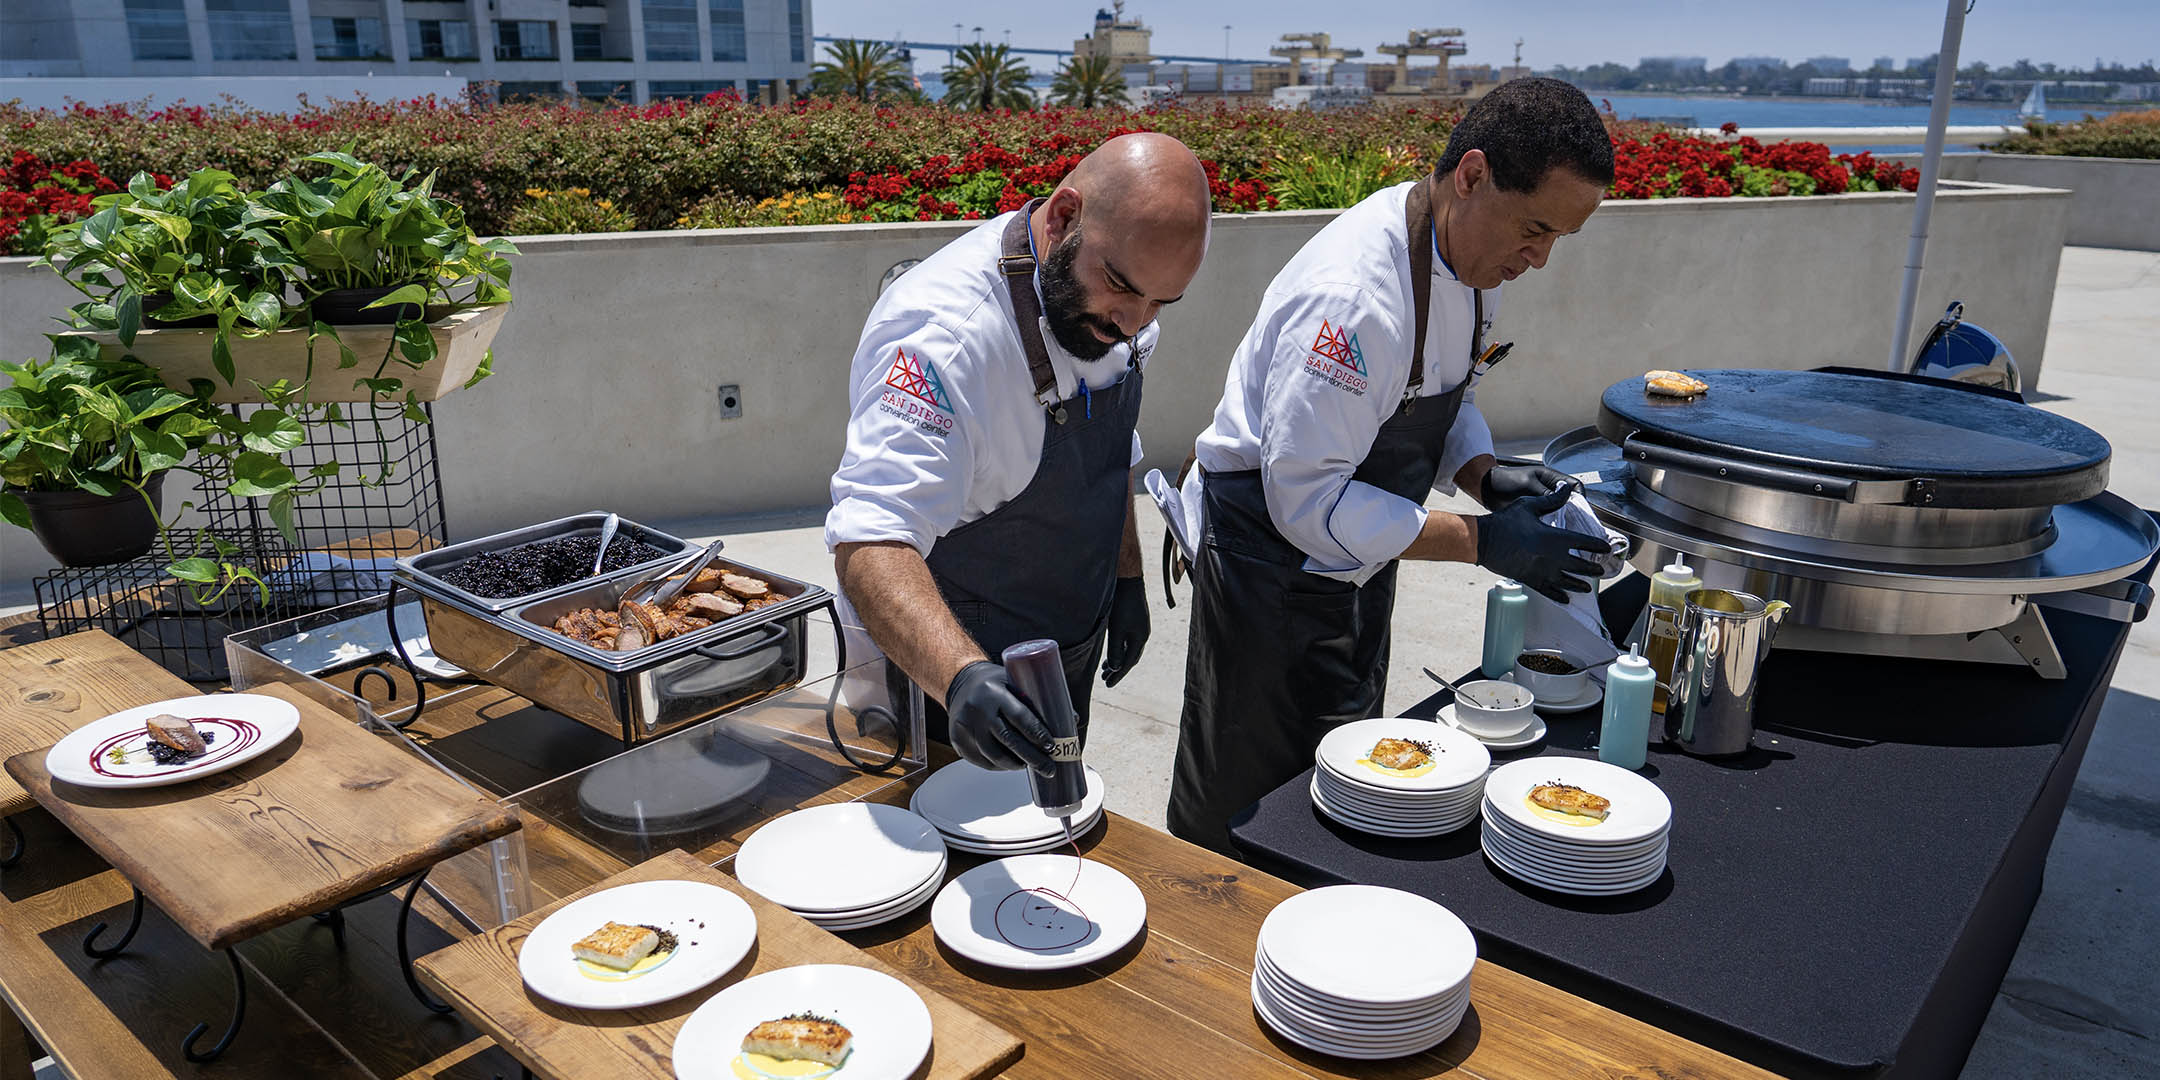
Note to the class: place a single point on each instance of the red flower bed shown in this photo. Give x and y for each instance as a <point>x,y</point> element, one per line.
<point>1667,165</point>
<point>36,195</point>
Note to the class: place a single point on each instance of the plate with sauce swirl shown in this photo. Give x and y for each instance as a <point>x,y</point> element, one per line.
<point>115,751</point>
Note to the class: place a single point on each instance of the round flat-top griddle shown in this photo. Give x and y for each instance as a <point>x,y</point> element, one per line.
<point>1947,446</point>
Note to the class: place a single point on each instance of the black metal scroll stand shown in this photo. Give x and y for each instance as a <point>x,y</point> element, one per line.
<point>16,848</point>
<point>896,686</point>
<point>420,679</point>
<point>333,918</point>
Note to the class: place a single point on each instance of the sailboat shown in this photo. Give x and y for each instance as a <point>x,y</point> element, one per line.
<point>2035,107</point>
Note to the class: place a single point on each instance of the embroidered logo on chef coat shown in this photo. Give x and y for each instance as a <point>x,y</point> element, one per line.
<point>1336,357</point>
<point>914,393</point>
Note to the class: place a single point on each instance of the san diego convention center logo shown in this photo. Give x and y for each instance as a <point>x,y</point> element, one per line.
<point>1336,357</point>
<point>914,393</point>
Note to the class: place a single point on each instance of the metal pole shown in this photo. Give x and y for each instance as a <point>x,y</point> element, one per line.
<point>1930,168</point>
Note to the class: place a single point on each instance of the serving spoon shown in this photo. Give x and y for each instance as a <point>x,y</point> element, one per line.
<point>1494,705</point>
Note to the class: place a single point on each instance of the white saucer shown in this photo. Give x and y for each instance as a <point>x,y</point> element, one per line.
<point>1591,694</point>
<point>1528,736</point>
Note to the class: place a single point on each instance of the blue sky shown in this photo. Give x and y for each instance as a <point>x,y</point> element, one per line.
<point>1573,32</point>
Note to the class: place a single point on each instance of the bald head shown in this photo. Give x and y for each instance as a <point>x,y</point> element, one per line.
<point>1126,232</point>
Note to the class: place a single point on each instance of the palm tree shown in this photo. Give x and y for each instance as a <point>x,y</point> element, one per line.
<point>1088,82</point>
<point>865,70</point>
<point>985,77</point>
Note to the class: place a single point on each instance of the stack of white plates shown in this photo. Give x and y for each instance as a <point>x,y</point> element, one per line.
<point>845,866</point>
<point>1360,971</point>
<point>1348,787</point>
<point>990,812</point>
<point>1620,854</point>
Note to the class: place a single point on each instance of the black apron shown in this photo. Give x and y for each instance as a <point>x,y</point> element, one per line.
<point>1045,564</point>
<point>1278,656</point>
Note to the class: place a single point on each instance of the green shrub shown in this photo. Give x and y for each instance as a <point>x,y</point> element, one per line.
<point>2118,135</point>
<point>569,210</point>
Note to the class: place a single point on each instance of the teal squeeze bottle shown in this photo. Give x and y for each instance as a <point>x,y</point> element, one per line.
<point>1624,739</point>
<point>1507,610</point>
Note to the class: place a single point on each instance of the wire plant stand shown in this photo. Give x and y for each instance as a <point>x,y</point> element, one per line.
<point>386,501</point>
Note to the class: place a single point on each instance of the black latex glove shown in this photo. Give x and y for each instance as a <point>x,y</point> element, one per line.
<point>1514,543</point>
<point>990,725</point>
<point>1128,630</point>
<point>1506,483</point>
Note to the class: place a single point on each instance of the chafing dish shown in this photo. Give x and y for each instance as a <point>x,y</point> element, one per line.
<point>424,571</point>
<point>1897,514</point>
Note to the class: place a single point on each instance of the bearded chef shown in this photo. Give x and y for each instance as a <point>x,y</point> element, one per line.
<point>984,495</point>
<point>1350,398</point>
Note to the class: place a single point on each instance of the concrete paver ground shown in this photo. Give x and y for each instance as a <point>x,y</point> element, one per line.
<point>2082,998</point>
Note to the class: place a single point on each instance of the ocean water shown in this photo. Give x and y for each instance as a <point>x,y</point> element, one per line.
<point>1712,110</point>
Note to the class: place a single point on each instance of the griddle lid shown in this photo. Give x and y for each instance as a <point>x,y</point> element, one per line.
<point>1949,447</point>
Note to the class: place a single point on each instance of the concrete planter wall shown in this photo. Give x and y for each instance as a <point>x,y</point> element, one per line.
<point>607,375</point>
<point>2117,201</point>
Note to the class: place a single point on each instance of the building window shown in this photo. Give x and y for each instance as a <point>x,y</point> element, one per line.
<point>251,30</point>
<point>524,39</point>
<point>440,39</point>
<point>795,30</point>
<point>528,91</point>
<point>605,90</point>
<point>588,41</point>
<point>348,39</point>
<point>157,30</point>
<point>668,89</point>
<point>729,42</point>
<point>671,30</point>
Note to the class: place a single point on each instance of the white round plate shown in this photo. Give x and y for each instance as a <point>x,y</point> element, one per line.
<point>1583,855</point>
<point>246,727</point>
<point>1585,874</point>
<point>984,916</point>
<point>1639,807</point>
<point>1315,1041</point>
<point>1355,1018</point>
<point>1311,939</point>
<point>990,806</point>
<point>1458,759</point>
<point>1559,885</point>
<point>1431,807</point>
<point>713,929</point>
<point>1389,827</point>
<point>889,1022</point>
<point>883,914</point>
<point>1024,847</point>
<point>928,885</point>
<point>1526,737</point>
<point>840,857</point>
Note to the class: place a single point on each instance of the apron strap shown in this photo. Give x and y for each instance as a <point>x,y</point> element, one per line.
<point>1016,261</point>
<point>1418,210</point>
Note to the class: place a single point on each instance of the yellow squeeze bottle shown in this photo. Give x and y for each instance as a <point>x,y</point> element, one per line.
<point>1669,588</point>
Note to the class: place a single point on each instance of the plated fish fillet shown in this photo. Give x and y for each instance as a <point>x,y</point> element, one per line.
<point>1400,754</point>
<point>1569,799</point>
<point>176,732</point>
<point>617,946</point>
<point>799,1037</point>
<point>1663,383</point>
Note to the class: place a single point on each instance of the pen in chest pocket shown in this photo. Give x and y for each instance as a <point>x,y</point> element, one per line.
<point>1490,358</point>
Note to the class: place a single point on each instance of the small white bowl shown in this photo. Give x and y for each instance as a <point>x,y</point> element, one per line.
<point>1475,714</point>
<point>1549,687</point>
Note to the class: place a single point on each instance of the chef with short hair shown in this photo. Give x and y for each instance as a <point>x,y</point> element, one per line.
<point>1351,397</point>
<point>984,495</point>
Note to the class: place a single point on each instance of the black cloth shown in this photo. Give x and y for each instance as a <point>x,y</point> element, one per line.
<point>1044,564</point>
<point>1277,656</point>
<point>1843,900</point>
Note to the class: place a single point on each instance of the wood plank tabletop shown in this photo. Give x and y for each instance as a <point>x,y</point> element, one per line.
<point>331,813</point>
<point>480,977</point>
<point>50,688</point>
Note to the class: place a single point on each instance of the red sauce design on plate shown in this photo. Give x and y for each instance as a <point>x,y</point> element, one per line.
<point>235,736</point>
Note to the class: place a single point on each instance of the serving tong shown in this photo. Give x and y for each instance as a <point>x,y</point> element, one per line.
<point>670,584</point>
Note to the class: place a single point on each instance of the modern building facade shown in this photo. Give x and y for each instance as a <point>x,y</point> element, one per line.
<point>628,50</point>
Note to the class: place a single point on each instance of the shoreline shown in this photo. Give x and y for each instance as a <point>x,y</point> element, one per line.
<point>1974,103</point>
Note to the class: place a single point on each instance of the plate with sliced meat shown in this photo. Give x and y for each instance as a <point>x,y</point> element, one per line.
<point>171,742</point>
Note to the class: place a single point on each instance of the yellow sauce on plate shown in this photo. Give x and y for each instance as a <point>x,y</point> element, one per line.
<point>749,1066</point>
<point>1404,773</point>
<point>603,973</point>
<point>1556,817</point>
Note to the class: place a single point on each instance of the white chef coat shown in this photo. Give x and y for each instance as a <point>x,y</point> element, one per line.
<point>1297,407</point>
<point>944,424</point>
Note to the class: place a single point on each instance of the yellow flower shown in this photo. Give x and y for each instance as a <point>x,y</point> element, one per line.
<point>765,202</point>
<point>845,219</point>
<point>536,193</point>
<point>580,192</point>
<point>605,205</point>
<point>825,195</point>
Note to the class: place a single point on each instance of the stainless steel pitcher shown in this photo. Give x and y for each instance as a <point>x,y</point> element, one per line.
<point>1724,639</point>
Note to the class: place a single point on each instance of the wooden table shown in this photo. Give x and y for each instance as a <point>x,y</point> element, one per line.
<point>333,815</point>
<point>50,688</point>
<point>480,977</point>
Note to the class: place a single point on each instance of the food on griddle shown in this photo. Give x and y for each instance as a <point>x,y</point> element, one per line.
<point>175,733</point>
<point>617,946</point>
<point>544,564</point>
<point>1546,663</point>
<point>749,588</point>
<point>1400,754</point>
<point>801,1037</point>
<point>1569,799</point>
<point>1662,383</point>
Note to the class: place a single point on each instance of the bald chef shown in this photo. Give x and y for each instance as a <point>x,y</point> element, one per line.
<point>984,495</point>
<point>1349,399</point>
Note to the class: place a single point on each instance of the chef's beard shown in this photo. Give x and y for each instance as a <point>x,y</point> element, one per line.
<point>1065,304</point>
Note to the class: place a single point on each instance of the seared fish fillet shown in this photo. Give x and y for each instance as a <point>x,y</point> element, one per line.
<point>176,732</point>
<point>617,946</point>
<point>1569,799</point>
<point>1673,384</point>
<point>800,1037</point>
<point>1399,754</point>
